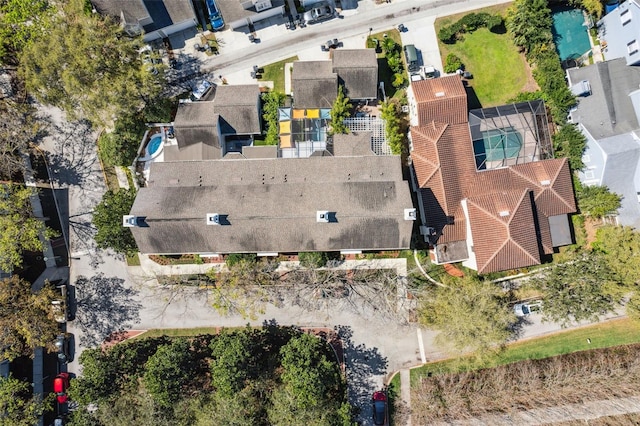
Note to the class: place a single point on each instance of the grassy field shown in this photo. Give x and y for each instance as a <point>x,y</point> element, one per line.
<point>275,72</point>
<point>611,333</point>
<point>181,332</point>
<point>499,71</point>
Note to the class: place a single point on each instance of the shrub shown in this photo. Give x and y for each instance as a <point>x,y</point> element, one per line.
<point>447,34</point>
<point>452,63</point>
<point>316,259</point>
<point>235,258</point>
<point>119,147</point>
<point>494,22</point>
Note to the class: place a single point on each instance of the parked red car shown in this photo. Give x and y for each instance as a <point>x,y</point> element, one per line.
<point>60,386</point>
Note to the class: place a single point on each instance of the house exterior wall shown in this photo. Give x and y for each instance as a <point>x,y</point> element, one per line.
<point>171,29</point>
<point>594,159</point>
<point>413,107</point>
<point>252,19</point>
<point>619,32</point>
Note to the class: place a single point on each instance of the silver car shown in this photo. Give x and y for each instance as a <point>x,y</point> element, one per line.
<point>319,13</point>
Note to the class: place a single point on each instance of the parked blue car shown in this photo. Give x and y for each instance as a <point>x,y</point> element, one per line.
<point>217,23</point>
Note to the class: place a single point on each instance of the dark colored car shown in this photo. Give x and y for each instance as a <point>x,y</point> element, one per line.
<point>380,408</point>
<point>60,386</point>
<point>62,345</point>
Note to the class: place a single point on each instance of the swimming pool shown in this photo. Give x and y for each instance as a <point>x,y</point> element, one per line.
<point>569,33</point>
<point>154,148</point>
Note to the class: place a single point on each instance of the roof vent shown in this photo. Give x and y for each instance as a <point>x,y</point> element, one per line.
<point>213,219</point>
<point>545,182</point>
<point>439,94</point>
<point>322,216</point>
<point>504,213</point>
<point>410,214</point>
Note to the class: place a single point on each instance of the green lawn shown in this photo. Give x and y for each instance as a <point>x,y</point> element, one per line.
<point>275,72</point>
<point>499,71</point>
<point>611,333</point>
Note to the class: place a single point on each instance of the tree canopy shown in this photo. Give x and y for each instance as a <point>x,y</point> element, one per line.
<point>26,318</point>
<point>86,65</point>
<point>107,218</point>
<point>597,201</point>
<point>620,246</point>
<point>20,23</point>
<point>18,129</point>
<point>16,407</point>
<point>339,112</point>
<point>524,20</point>
<point>577,290</point>
<point>243,377</point>
<point>470,314</point>
<point>19,230</point>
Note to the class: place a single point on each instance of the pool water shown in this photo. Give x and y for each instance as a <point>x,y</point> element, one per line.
<point>154,144</point>
<point>569,33</point>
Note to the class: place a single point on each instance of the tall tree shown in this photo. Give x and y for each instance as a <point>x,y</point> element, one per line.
<point>339,112</point>
<point>20,22</point>
<point>107,218</point>
<point>525,19</point>
<point>471,315</point>
<point>620,246</point>
<point>233,362</point>
<point>597,201</point>
<point>581,289</point>
<point>17,408</point>
<point>570,142</point>
<point>86,65</point>
<point>167,371</point>
<point>308,374</point>
<point>26,318</point>
<point>271,101</point>
<point>19,230</point>
<point>18,129</point>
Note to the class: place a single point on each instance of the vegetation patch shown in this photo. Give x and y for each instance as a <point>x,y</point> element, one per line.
<point>567,379</point>
<point>608,334</point>
<point>275,72</point>
<point>258,376</point>
<point>499,71</point>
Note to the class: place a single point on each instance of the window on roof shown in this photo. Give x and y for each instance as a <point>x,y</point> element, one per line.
<point>586,158</point>
<point>625,17</point>
<point>632,47</point>
<point>589,174</point>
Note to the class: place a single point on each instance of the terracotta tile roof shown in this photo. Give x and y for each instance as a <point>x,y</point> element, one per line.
<point>441,99</point>
<point>503,230</point>
<point>445,169</point>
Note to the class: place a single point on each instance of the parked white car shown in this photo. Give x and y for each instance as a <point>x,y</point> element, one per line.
<point>526,309</point>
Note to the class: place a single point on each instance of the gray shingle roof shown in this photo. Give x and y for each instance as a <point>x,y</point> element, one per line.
<point>271,205</point>
<point>354,143</point>
<point>195,123</point>
<point>608,111</point>
<point>314,84</point>
<point>357,70</point>
<point>163,12</point>
<point>623,159</point>
<point>233,10</point>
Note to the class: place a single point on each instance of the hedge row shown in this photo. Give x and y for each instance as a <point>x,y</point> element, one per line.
<point>468,24</point>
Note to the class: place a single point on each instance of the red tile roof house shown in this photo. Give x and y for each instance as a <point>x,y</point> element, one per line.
<point>491,194</point>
